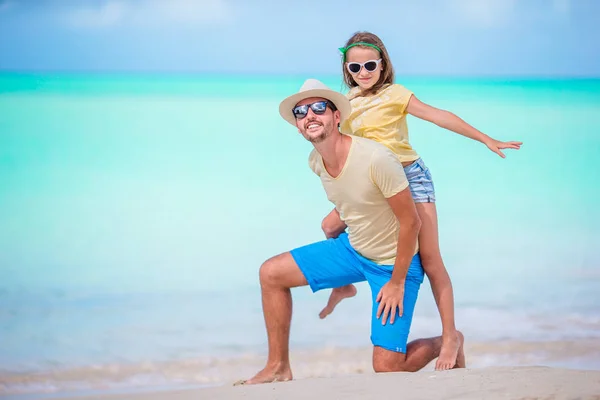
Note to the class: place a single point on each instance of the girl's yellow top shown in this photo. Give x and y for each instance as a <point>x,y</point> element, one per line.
<point>382,117</point>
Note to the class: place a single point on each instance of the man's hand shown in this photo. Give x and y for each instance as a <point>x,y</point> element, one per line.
<point>390,299</point>
<point>495,146</point>
<point>333,225</point>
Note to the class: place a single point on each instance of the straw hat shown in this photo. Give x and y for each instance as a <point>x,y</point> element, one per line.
<point>314,88</point>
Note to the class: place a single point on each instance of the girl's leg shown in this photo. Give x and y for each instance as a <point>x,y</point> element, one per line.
<point>337,295</point>
<point>451,354</point>
<point>333,226</point>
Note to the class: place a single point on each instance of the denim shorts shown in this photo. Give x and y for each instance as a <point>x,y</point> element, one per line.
<point>420,182</point>
<point>333,263</point>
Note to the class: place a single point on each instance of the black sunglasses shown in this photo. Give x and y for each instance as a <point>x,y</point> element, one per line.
<point>318,107</point>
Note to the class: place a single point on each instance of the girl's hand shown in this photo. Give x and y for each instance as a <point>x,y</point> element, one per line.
<point>495,146</point>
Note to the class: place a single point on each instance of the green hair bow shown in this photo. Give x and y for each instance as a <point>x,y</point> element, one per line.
<point>344,50</point>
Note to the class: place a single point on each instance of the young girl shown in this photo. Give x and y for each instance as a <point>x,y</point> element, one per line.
<point>379,109</point>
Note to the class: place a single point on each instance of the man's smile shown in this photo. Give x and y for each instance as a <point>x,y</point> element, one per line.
<point>313,125</point>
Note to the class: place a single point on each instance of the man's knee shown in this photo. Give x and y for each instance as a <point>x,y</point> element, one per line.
<point>270,271</point>
<point>281,271</point>
<point>389,361</point>
<point>390,366</point>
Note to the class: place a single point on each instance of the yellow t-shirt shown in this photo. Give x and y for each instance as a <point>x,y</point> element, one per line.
<point>372,174</point>
<point>382,117</point>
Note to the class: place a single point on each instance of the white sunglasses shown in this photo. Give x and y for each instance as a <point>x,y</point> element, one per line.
<point>355,67</point>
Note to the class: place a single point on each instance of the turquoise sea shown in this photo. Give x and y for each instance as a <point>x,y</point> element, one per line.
<point>135,211</point>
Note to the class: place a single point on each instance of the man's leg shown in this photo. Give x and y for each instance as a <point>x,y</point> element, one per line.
<point>277,276</point>
<point>323,265</point>
<point>419,353</point>
<point>390,351</point>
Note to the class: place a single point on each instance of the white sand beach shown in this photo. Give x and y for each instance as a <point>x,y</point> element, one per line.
<point>494,368</point>
<point>485,383</point>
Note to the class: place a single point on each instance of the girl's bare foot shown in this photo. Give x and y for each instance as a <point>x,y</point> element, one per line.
<point>452,345</point>
<point>461,362</point>
<point>337,295</point>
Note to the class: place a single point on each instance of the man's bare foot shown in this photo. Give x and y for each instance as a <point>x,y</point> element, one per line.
<point>337,295</point>
<point>268,375</point>
<point>452,345</point>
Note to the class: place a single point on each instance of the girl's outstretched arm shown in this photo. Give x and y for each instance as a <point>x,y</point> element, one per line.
<point>450,121</point>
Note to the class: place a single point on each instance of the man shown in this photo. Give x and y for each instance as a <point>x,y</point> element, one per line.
<point>369,189</point>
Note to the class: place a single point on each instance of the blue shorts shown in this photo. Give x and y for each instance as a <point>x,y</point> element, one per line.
<point>420,182</point>
<point>333,263</point>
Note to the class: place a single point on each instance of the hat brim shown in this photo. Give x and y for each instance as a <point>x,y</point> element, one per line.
<point>341,103</point>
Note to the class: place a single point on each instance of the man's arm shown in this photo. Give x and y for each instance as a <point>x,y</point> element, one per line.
<point>403,206</point>
<point>391,295</point>
<point>388,174</point>
<point>333,225</point>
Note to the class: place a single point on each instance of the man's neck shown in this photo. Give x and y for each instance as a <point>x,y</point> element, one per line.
<point>334,151</point>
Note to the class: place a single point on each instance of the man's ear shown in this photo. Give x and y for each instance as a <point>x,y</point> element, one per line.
<point>338,118</point>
